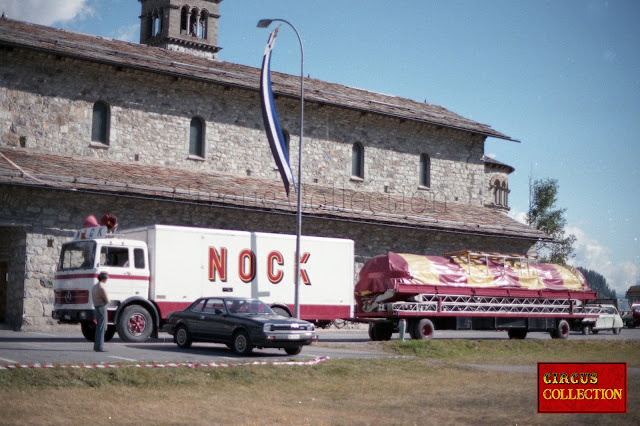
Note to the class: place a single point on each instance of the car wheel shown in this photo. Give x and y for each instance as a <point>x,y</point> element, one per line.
<point>183,338</point>
<point>135,324</point>
<point>293,350</point>
<point>617,330</point>
<point>585,329</point>
<point>241,343</point>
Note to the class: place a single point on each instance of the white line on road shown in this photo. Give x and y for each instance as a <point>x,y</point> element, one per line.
<point>9,360</point>
<point>125,359</point>
<point>45,334</point>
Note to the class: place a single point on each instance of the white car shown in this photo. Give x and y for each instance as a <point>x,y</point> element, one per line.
<point>608,319</point>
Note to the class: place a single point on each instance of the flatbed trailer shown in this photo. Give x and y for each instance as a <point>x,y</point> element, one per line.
<point>423,308</point>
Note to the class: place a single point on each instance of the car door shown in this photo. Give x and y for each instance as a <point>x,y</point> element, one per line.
<point>193,319</point>
<point>214,320</point>
<point>607,318</point>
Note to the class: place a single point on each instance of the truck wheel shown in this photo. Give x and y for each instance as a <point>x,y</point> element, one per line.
<point>517,333</point>
<point>109,333</point>
<point>561,331</point>
<point>594,331</point>
<point>241,343</point>
<point>424,329</point>
<point>89,330</point>
<point>617,330</point>
<point>183,338</point>
<point>281,311</point>
<point>293,350</point>
<point>134,324</point>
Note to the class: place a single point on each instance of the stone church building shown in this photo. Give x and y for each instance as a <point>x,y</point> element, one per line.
<point>164,132</point>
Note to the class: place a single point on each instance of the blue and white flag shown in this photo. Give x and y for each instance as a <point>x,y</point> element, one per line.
<point>270,116</point>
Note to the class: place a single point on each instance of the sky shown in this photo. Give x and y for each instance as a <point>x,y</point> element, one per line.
<point>561,77</point>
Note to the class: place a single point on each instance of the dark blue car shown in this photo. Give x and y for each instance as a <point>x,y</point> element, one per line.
<point>240,323</point>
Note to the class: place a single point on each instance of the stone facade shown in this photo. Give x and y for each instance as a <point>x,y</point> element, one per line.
<point>46,104</point>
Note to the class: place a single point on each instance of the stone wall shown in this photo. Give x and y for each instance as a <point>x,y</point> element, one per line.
<point>35,249</point>
<point>46,104</point>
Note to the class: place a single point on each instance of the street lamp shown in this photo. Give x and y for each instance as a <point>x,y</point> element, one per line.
<point>264,23</point>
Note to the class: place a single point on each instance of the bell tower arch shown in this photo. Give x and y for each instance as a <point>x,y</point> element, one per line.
<point>189,26</point>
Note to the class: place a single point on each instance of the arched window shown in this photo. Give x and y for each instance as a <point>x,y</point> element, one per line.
<point>505,194</point>
<point>203,25</point>
<point>184,20</point>
<point>425,170</point>
<point>150,22</point>
<point>196,137</point>
<point>193,24</point>
<point>100,123</point>
<point>157,24</point>
<point>496,192</point>
<point>357,160</point>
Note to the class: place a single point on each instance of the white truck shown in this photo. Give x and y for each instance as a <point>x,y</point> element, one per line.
<point>157,269</point>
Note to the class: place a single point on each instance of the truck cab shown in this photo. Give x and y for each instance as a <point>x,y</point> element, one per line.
<point>126,261</point>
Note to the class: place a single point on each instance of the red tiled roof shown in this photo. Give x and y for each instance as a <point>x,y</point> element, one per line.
<point>158,60</point>
<point>19,166</point>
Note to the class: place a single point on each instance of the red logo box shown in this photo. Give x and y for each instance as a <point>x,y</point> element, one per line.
<point>582,387</point>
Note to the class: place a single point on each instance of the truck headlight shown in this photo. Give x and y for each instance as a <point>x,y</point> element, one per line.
<point>267,327</point>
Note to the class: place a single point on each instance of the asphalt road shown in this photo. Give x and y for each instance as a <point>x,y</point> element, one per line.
<point>69,347</point>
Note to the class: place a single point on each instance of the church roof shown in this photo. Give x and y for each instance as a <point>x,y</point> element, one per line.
<point>54,41</point>
<point>24,167</point>
<point>492,162</point>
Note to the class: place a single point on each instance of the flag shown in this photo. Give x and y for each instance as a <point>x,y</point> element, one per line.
<point>270,116</point>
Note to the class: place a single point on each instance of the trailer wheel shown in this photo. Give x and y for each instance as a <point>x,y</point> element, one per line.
<point>293,350</point>
<point>380,331</point>
<point>241,343</point>
<point>424,329</point>
<point>561,331</point>
<point>594,331</point>
<point>134,324</point>
<point>517,333</point>
<point>183,338</point>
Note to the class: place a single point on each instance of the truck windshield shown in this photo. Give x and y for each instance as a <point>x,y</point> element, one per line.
<point>77,255</point>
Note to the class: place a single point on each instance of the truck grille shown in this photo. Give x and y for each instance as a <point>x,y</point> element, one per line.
<point>72,297</point>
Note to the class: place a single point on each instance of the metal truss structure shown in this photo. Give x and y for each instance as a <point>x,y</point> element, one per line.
<point>461,305</point>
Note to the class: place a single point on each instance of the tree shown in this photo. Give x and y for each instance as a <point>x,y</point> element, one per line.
<point>598,283</point>
<point>544,215</point>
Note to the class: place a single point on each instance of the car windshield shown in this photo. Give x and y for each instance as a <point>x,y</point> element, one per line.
<point>247,306</point>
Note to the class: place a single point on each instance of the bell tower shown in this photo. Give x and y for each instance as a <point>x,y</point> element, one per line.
<point>189,26</point>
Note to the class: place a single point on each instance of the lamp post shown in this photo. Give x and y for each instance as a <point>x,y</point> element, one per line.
<point>264,23</point>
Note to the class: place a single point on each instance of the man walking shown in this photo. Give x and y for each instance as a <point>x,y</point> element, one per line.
<point>100,301</point>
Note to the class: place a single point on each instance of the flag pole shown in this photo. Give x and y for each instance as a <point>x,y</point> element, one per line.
<point>264,23</point>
